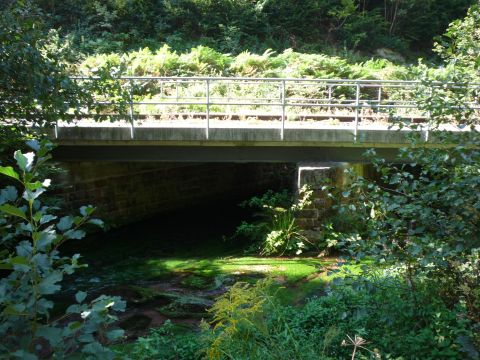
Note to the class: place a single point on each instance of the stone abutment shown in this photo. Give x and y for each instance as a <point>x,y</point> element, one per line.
<point>126,192</point>
<point>317,175</point>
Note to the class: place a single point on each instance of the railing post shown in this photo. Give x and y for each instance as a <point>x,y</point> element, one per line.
<point>282,131</point>
<point>330,99</point>
<point>132,119</point>
<point>357,111</point>
<point>207,129</point>
<point>229,108</point>
<point>429,115</point>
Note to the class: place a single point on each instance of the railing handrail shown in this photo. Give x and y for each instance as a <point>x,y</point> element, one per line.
<point>273,79</point>
<point>282,100</point>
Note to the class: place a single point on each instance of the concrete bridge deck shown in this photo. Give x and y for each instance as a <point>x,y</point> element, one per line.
<point>228,141</point>
<point>248,119</point>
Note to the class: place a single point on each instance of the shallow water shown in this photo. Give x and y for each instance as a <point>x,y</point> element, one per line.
<point>128,262</point>
<point>196,231</point>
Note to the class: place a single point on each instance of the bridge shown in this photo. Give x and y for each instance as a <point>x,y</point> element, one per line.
<point>219,119</point>
<point>159,144</point>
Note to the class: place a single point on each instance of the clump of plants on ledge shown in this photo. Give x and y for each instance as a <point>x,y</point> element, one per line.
<point>33,270</point>
<point>275,231</point>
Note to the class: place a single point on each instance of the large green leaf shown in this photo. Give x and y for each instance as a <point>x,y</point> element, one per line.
<point>65,223</point>
<point>13,210</point>
<point>22,160</point>
<point>50,333</point>
<point>44,239</point>
<point>8,194</point>
<point>87,210</point>
<point>49,285</point>
<point>96,222</point>
<point>30,196</point>
<point>80,296</point>
<point>75,234</point>
<point>8,171</point>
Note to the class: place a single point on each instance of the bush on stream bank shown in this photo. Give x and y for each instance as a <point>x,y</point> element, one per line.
<point>249,322</point>
<point>31,234</point>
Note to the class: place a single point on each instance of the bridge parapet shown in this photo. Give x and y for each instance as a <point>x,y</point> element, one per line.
<point>225,102</point>
<point>249,119</point>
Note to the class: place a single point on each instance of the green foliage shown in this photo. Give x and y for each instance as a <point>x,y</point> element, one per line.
<point>202,60</point>
<point>276,232</point>
<point>36,86</point>
<point>424,217</point>
<point>250,323</point>
<point>208,62</point>
<point>168,342</point>
<point>31,235</point>
<point>460,43</point>
<point>423,212</point>
<point>238,316</point>
<point>254,25</point>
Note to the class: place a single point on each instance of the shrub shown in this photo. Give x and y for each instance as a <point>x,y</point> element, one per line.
<point>265,65</point>
<point>276,232</point>
<point>31,235</point>
<point>234,26</point>
<point>460,43</point>
<point>203,60</point>
<point>168,342</point>
<point>250,323</point>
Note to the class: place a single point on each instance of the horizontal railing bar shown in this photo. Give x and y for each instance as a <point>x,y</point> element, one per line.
<point>353,106</point>
<point>311,100</point>
<point>267,79</point>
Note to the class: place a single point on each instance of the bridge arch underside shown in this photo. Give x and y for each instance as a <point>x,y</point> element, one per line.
<point>129,191</point>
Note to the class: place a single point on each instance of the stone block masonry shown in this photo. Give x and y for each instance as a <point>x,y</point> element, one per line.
<point>126,192</point>
<point>316,175</point>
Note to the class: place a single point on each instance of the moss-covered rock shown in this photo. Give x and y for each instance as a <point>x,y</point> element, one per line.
<point>186,306</point>
<point>197,282</point>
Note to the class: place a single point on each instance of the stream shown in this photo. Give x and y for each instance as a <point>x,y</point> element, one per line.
<point>160,266</point>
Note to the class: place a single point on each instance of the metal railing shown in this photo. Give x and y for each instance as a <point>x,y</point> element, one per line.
<point>282,99</point>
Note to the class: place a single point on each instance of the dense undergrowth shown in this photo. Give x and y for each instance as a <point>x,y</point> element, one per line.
<point>234,26</point>
<point>203,60</point>
<point>377,316</point>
